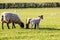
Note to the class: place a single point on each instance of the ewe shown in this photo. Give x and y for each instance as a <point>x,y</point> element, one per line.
<point>8,17</point>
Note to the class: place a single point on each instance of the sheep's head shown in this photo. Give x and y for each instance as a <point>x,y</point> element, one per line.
<point>22,25</point>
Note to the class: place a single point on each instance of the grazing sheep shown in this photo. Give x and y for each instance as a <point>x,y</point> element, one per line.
<point>8,17</point>
<point>33,21</point>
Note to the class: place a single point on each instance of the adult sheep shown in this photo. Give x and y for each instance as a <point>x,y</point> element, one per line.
<point>9,17</point>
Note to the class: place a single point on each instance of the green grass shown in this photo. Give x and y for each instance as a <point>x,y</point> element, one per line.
<point>49,26</point>
<point>28,34</point>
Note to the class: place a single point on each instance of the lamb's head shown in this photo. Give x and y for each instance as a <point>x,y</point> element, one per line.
<point>22,25</point>
<point>41,16</point>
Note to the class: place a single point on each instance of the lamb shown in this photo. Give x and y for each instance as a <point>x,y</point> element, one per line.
<point>9,17</point>
<point>33,21</point>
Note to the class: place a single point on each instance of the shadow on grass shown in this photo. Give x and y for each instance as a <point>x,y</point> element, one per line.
<point>47,28</point>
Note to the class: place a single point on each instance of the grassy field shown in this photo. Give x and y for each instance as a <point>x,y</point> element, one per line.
<point>49,26</point>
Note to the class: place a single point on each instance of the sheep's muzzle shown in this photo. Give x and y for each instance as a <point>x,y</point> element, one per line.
<point>22,25</point>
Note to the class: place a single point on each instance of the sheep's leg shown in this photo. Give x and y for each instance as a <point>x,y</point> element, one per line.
<point>35,26</point>
<point>2,25</point>
<point>13,25</point>
<point>2,22</point>
<point>8,25</point>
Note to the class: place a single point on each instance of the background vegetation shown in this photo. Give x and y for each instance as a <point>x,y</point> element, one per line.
<point>29,5</point>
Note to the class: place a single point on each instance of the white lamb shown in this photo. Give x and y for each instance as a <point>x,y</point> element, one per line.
<point>33,21</point>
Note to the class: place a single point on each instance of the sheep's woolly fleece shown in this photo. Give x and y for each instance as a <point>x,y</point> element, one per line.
<point>9,15</point>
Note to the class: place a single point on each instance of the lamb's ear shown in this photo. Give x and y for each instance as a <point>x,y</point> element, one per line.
<point>38,16</point>
<point>41,16</point>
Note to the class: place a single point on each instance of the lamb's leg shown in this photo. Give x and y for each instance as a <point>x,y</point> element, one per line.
<point>13,25</point>
<point>2,25</point>
<point>8,25</point>
<point>35,26</point>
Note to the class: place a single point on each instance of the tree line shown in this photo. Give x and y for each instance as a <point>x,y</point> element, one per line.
<point>29,5</point>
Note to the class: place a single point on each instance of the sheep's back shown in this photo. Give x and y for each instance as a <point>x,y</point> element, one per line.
<point>15,18</point>
<point>35,21</point>
<point>8,16</point>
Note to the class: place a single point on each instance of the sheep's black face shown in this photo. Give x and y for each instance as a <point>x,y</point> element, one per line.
<point>22,25</point>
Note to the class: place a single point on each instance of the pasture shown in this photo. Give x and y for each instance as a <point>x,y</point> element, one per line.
<point>49,26</point>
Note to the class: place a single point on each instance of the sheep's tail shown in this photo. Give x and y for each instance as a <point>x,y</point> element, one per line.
<point>1,18</point>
